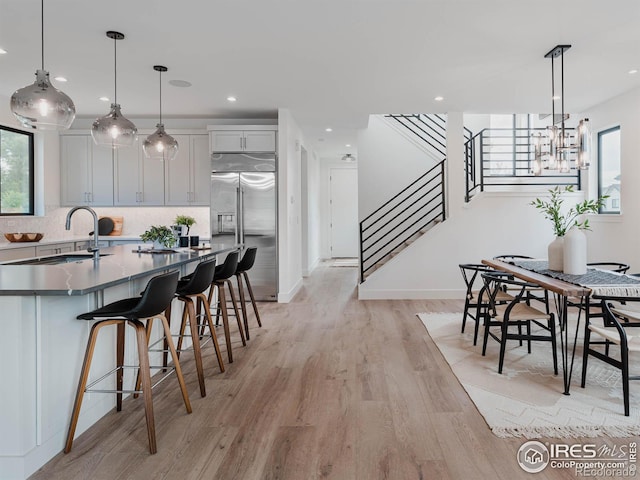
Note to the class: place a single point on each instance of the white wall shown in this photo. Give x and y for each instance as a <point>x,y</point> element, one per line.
<point>289,206</point>
<point>492,224</point>
<point>615,237</point>
<point>311,223</point>
<point>387,163</point>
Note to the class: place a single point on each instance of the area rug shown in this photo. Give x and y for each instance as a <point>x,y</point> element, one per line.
<point>527,400</point>
<point>345,262</point>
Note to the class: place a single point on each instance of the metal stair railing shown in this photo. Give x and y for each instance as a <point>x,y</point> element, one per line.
<point>500,158</point>
<point>418,206</point>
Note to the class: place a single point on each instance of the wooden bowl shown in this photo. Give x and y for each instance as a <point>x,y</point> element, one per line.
<point>23,237</point>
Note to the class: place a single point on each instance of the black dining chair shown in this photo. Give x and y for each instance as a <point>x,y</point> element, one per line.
<point>515,313</point>
<point>617,320</point>
<point>476,299</point>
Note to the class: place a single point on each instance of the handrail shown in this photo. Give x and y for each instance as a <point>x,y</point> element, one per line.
<point>416,207</point>
<point>492,162</point>
<point>431,129</point>
<point>401,192</point>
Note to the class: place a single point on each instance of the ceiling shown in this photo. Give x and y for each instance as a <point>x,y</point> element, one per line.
<point>331,62</point>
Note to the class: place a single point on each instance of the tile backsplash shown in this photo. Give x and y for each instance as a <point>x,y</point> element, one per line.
<point>136,221</point>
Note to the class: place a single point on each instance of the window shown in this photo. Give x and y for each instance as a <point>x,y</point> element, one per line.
<point>609,169</point>
<point>16,172</point>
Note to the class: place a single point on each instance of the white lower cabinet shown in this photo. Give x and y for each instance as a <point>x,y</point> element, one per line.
<point>6,255</point>
<point>55,249</point>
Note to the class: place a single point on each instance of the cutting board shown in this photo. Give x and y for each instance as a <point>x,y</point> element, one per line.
<point>117,226</point>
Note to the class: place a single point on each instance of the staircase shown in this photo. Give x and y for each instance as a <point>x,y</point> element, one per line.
<point>414,210</point>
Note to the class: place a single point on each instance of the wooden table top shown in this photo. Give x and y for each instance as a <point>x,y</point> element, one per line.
<point>553,285</point>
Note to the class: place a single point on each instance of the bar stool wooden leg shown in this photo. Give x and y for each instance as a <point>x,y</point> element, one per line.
<point>147,328</point>
<point>176,363</point>
<point>253,299</point>
<point>195,338</point>
<point>183,327</point>
<point>205,306</point>
<point>243,306</point>
<point>165,347</point>
<point>84,375</point>
<point>234,302</point>
<point>145,378</point>
<point>222,302</point>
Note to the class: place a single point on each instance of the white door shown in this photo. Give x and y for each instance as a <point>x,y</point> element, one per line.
<point>344,212</point>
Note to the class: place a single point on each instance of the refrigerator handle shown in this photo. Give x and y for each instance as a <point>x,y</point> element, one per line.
<point>241,207</point>
<point>238,219</point>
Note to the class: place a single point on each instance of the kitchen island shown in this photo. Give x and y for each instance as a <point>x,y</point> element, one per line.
<point>42,345</point>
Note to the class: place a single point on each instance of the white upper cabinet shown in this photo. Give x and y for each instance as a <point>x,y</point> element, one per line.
<point>187,177</point>
<point>242,140</point>
<point>86,172</point>
<point>139,180</point>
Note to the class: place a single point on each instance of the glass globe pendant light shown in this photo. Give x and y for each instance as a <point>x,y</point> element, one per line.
<point>160,145</point>
<point>114,130</point>
<point>40,105</point>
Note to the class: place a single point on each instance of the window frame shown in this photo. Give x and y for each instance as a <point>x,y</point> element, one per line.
<point>30,136</point>
<point>601,133</point>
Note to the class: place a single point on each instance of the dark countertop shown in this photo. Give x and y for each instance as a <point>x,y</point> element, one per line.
<point>79,278</point>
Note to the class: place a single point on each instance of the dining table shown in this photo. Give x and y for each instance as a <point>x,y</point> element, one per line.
<point>569,291</point>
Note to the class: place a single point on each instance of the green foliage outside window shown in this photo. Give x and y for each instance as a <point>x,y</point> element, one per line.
<point>16,172</point>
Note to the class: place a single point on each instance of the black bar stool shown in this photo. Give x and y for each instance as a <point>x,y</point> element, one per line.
<point>221,278</point>
<point>190,287</point>
<point>244,265</point>
<point>136,312</point>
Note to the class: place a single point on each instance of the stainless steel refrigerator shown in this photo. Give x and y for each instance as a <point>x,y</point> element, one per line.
<point>244,210</point>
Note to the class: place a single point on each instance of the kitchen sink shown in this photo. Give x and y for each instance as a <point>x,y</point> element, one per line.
<point>56,259</point>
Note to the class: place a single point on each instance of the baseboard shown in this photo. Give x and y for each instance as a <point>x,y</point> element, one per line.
<point>390,294</point>
<point>312,267</point>
<point>288,296</point>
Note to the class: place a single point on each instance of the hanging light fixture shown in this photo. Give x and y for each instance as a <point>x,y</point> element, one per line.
<point>114,130</point>
<point>40,105</point>
<point>160,145</point>
<point>561,143</point>
<point>348,158</point>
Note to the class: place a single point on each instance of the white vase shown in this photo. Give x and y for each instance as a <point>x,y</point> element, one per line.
<point>555,254</point>
<point>575,252</point>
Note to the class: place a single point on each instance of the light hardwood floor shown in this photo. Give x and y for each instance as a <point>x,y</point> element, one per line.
<point>329,388</point>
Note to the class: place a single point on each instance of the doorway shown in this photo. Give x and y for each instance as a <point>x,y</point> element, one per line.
<point>343,200</point>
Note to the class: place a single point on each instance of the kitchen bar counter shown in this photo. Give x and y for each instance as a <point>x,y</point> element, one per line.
<point>42,345</point>
<point>119,264</point>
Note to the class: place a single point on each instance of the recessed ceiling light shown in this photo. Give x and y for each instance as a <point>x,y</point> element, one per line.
<point>231,99</point>
<point>104,99</point>
<point>60,79</point>
<point>180,83</point>
<point>631,72</point>
<point>328,129</point>
<point>2,51</point>
<point>348,145</point>
<point>439,98</point>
